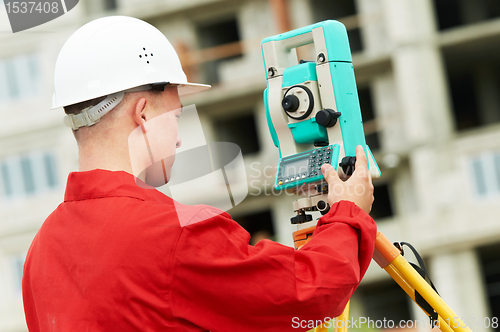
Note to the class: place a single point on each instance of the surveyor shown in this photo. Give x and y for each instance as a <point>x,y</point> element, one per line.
<point>114,255</point>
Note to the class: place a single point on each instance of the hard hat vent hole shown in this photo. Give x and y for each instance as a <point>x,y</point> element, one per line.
<point>145,55</point>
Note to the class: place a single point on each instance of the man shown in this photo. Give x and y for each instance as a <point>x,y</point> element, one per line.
<point>114,255</point>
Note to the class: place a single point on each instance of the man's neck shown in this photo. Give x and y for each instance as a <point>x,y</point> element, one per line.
<point>89,159</point>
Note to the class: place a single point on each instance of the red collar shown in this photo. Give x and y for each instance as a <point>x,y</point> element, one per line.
<point>100,183</point>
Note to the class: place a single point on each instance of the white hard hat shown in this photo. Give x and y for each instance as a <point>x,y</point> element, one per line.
<point>114,54</point>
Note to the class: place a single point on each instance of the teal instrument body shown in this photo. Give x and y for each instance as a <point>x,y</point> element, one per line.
<point>313,105</point>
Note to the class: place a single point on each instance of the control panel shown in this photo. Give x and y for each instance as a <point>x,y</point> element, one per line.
<point>305,167</point>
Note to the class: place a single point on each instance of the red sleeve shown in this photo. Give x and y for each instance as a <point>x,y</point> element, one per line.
<point>221,283</point>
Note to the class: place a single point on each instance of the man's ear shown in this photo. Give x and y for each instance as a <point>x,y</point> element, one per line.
<point>139,114</point>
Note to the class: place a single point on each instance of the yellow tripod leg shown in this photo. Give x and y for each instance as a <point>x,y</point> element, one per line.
<point>320,328</point>
<point>339,327</point>
<point>391,270</point>
<point>390,259</point>
<point>341,321</point>
<point>436,302</point>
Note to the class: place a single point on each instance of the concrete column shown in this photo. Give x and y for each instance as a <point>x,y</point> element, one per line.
<point>300,13</point>
<point>418,71</point>
<point>388,114</point>
<point>458,279</point>
<point>373,27</point>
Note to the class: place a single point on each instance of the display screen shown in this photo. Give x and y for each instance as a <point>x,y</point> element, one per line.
<point>296,167</point>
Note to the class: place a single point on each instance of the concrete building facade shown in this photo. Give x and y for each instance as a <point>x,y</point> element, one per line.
<point>428,81</point>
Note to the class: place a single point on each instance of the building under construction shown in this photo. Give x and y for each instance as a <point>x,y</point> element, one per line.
<point>428,75</point>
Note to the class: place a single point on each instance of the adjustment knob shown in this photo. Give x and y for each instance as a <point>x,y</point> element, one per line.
<point>301,218</point>
<point>290,103</point>
<point>348,164</point>
<point>327,117</point>
<point>323,207</point>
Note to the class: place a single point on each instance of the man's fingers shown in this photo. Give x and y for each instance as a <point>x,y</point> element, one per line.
<point>361,161</point>
<point>344,177</point>
<point>329,173</point>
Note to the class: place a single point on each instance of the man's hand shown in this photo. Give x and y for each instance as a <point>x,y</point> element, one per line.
<point>357,189</point>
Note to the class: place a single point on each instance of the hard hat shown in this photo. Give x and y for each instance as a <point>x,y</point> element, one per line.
<point>115,54</point>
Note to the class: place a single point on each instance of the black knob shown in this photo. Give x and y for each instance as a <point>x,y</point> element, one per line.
<point>327,117</point>
<point>323,207</point>
<point>301,218</point>
<point>290,103</point>
<point>347,165</point>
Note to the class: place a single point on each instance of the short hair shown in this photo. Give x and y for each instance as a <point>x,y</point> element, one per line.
<point>77,108</point>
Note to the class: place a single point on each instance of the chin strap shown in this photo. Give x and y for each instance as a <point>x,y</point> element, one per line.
<point>91,115</point>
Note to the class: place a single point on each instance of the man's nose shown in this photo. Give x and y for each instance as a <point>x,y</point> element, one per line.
<point>178,143</point>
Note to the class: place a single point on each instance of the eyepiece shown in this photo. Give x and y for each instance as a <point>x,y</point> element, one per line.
<point>290,103</point>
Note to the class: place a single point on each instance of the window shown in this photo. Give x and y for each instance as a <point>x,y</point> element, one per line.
<point>217,34</point>
<point>366,103</point>
<point>109,4</point>
<point>29,184</point>
<point>485,171</point>
<point>336,10</point>
<point>27,175</point>
<point>464,100</point>
<point>98,6</point>
<point>18,266</point>
<point>474,82</point>
<point>453,13</point>
<point>490,263</point>
<point>19,77</point>
<point>382,206</point>
<point>384,300</point>
<point>259,225</point>
<point>241,130</point>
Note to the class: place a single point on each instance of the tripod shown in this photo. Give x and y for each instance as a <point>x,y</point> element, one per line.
<point>388,257</point>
